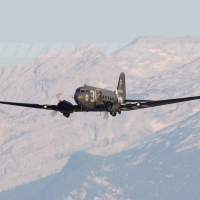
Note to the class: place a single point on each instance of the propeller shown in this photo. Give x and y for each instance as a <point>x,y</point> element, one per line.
<point>59,98</point>
<point>106,114</point>
<point>53,113</point>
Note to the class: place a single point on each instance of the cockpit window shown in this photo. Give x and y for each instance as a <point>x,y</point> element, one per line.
<point>82,90</point>
<point>78,91</point>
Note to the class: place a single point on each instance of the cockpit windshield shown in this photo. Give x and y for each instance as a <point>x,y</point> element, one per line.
<point>78,91</point>
<point>85,91</point>
<point>82,91</point>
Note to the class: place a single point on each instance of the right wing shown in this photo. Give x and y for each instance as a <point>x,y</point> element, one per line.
<point>148,103</point>
<point>135,100</point>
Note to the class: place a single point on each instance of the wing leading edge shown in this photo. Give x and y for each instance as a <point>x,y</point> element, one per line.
<point>148,103</point>
<point>30,105</point>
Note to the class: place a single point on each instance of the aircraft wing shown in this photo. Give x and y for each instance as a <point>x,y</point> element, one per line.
<point>30,105</point>
<point>135,100</point>
<point>76,108</point>
<point>148,103</point>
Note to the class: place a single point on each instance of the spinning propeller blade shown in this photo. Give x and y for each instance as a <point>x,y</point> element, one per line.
<point>105,115</point>
<point>59,98</point>
<point>53,113</point>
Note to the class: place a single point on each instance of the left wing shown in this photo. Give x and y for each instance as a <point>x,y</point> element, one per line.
<point>30,105</point>
<point>148,103</point>
<point>64,107</point>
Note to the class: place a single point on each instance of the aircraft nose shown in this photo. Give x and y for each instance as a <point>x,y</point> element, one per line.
<point>78,97</point>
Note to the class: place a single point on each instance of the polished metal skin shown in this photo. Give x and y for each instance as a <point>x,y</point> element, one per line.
<point>94,99</point>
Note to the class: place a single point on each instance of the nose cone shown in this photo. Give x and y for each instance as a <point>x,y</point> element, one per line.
<point>78,97</point>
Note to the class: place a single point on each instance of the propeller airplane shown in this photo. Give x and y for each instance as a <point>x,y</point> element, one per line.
<point>94,99</point>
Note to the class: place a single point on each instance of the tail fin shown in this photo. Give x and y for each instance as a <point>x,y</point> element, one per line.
<point>121,88</point>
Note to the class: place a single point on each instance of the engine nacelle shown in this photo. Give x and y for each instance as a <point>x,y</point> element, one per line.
<point>108,105</point>
<point>65,107</point>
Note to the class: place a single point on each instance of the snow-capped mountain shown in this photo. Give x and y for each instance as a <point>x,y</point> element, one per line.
<point>34,145</point>
<point>156,169</point>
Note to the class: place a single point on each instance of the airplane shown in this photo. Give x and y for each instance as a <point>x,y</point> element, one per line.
<point>95,99</point>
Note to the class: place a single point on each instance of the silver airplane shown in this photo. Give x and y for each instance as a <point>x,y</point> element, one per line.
<point>94,99</point>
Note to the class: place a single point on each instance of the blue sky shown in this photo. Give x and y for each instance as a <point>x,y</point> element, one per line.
<point>45,23</point>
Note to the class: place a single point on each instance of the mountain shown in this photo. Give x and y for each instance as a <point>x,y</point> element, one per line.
<point>34,145</point>
<point>156,169</point>
<point>147,56</point>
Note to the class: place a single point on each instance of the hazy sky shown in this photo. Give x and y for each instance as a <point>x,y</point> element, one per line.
<point>30,27</point>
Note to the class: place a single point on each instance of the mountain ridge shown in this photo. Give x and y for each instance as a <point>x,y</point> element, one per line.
<point>33,145</point>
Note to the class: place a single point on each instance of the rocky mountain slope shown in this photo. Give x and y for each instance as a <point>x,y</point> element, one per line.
<point>156,169</point>
<point>34,145</point>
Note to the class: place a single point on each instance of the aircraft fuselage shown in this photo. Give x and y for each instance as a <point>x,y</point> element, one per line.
<point>92,98</point>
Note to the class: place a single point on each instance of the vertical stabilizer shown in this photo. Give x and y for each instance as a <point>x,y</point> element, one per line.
<point>121,88</point>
